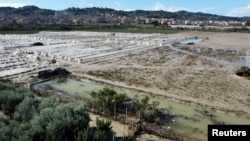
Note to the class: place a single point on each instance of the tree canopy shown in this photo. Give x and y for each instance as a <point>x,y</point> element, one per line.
<point>28,118</point>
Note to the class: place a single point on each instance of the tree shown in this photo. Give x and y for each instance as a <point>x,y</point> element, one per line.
<point>26,110</point>
<point>154,105</point>
<point>152,113</point>
<point>148,111</point>
<point>29,118</point>
<point>145,101</point>
<point>104,98</point>
<point>61,123</point>
<point>243,71</point>
<point>248,23</point>
<point>155,23</point>
<point>108,98</point>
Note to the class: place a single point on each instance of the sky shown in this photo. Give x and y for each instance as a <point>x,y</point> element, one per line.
<point>235,8</point>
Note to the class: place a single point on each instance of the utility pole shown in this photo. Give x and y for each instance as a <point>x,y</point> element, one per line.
<point>139,115</point>
<point>103,109</point>
<point>113,136</point>
<point>126,114</point>
<point>115,111</point>
<point>123,132</point>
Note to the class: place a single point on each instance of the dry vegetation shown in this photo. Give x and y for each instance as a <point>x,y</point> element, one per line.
<point>182,76</point>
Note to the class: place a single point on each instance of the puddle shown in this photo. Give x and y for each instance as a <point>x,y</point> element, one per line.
<point>71,87</point>
<point>213,59</point>
<point>247,59</point>
<point>191,41</point>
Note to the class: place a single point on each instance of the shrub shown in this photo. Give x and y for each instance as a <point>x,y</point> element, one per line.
<point>47,119</point>
<point>62,122</point>
<point>91,134</point>
<point>103,125</point>
<point>11,96</point>
<point>243,71</point>
<point>26,110</point>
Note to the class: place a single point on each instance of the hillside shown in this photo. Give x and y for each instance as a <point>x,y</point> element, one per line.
<point>182,15</point>
<point>95,11</point>
<point>25,11</point>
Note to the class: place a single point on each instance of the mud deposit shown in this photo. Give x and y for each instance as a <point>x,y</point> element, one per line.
<point>179,75</point>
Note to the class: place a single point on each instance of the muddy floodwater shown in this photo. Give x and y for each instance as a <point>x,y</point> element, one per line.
<point>190,120</point>
<point>195,80</point>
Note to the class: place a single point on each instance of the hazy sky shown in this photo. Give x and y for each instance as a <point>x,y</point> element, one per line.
<point>237,8</point>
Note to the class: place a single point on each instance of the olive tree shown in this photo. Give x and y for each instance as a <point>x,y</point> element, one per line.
<point>61,123</point>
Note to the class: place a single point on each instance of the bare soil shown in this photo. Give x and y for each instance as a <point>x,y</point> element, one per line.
<point>184,77</point>
<point>122,130</point>
<point>221,40</point>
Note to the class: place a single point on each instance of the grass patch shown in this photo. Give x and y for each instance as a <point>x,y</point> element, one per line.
<point>98,27</point>
<point>61,80</point>
<point>19,32</point>
<point>231,119</point>
<point>136,30</point>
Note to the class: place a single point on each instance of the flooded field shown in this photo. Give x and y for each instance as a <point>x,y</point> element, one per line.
<point>195,80</point>
<point>71,86</point>
<point>190,120</point>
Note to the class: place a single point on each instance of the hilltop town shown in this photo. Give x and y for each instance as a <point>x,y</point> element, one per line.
<point>101,74</point>
<point>31,16</point>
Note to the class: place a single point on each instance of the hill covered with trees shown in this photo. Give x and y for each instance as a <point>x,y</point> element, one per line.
<point>96,11</point>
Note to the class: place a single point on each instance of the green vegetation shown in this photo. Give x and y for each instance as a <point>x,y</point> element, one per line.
<point>108,99</point>
<point>148,111</point>
<point>96,12</point>
<point>27,118</point>
<point>10,97</point>
<point>190,121</point>
<point>91,134</point>
<point>111,27</point>
<point>98,133</point>
<point>111,103</point>
<point>44,20</point>
<point>61,80</point>
<point>18,31</point>
<point>97,27</point>
<point>243,71</point>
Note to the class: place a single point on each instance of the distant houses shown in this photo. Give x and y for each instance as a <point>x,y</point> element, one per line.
<point>76,16</point>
